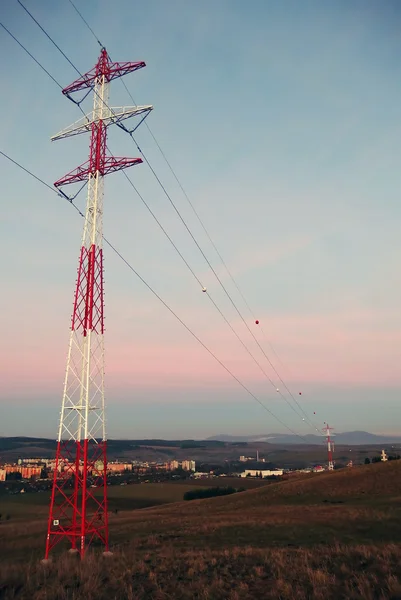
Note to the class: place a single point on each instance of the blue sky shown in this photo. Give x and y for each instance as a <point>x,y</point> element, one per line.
<point>282,121</point>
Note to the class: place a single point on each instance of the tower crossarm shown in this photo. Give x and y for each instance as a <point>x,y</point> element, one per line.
<point>105,67</point>
<point>117,115</point>
<point>111,165</point>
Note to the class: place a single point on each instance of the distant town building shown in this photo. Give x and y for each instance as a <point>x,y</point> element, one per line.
<point>3,474</point>
<point>318,469</point>
<point>26,472</point>
<point>30,472</point>
<point>172,465</point>
<point>188,465</point>
<point>34,461</point>
<point>12,469</point>
<point>252,458</point>
<point>264,473</point>
<point>117,467</point>
<point>384,456</point>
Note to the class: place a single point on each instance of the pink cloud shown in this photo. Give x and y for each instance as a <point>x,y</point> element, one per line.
<point>164,365</point>
<point>344,347</point>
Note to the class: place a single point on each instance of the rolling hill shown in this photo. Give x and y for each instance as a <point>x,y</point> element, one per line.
<point>349,438</point>
<point>331,535</point>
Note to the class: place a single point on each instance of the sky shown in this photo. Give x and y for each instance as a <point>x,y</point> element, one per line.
<point>282,122</point>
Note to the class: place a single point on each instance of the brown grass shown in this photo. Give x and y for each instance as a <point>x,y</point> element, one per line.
<point>263,543</point>
<point>165,572</point>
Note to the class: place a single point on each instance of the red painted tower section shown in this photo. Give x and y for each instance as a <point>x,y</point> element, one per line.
<point>78,507</point>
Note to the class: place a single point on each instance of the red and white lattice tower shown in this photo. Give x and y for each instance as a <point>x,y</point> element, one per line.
<point>78,506</point>
<point>330,446</point>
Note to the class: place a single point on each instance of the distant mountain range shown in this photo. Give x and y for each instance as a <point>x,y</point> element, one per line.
<point>349,438</point>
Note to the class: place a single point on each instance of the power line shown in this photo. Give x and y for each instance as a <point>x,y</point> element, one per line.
<point>207,234</point>
<point>209,296</point>
<point>34,176</point>
<point>31,55</point>
<point>204,345</point>
<point>186,196</point>
<point>160,225</point>
<point>195,212</point>
<point>170,239</point>
<point>190,233</point>
<point>150,288</point>
<point>48,36</point>
<point>217,251</point>
<point>87,24</point>
<point>65,56</point>
<point>217,277</point>
<point>38,62</point>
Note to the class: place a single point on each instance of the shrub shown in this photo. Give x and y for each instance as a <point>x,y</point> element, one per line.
<point>209,492</point>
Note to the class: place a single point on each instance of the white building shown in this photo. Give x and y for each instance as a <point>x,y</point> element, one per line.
<point>257,472</point>
<point>188,465</point>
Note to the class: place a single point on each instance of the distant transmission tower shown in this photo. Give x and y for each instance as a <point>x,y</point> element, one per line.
<point>78,508</point>
<point>330,447</point>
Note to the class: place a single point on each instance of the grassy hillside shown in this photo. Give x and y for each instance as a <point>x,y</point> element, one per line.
<point>334,535</point>
<point>368,483</point>
<point>25,507</point>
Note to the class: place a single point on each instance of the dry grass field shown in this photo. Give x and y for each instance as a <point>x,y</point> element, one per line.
<point>333,535</point>
<point>27,507</point>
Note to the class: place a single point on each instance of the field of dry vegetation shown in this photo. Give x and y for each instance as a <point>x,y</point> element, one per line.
<point>333,535</point>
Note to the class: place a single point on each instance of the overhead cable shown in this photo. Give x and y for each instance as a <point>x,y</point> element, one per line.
<point>175,315</point>
<point>306,419</point>
<point>204,229</point>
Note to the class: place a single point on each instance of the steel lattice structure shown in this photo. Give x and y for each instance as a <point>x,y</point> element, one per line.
<point>330,447</point>
<point>78,508</point>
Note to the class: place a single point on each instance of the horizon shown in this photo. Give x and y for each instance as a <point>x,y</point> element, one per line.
<point>215,436</point>
<point>282,124</point>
